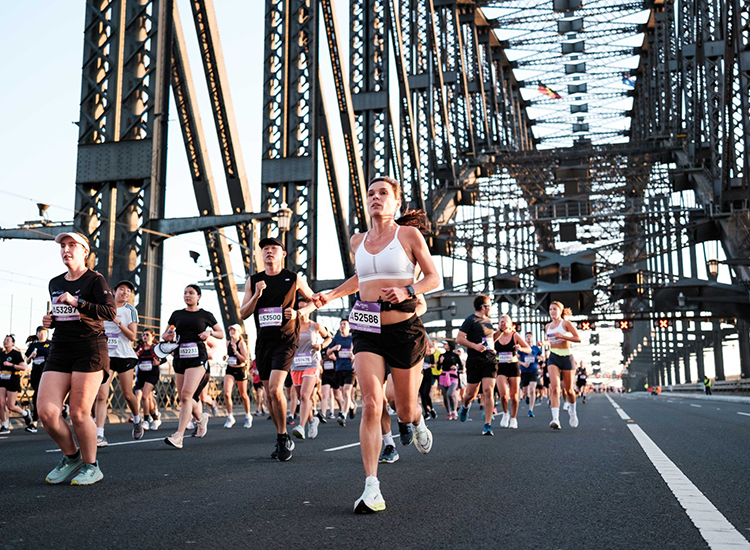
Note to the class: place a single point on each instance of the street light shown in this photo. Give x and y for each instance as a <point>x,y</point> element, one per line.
<point>681,300</point>
<point>713,269</point>
<point>284,217</point>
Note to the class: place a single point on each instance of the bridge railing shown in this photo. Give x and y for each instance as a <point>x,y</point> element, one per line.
<point>719,386</point>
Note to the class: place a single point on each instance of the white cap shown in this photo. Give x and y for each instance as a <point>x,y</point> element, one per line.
<point>237,327</point>
<point>77,237</point>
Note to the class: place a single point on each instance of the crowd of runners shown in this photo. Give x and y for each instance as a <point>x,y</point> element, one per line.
<point>301,374</point>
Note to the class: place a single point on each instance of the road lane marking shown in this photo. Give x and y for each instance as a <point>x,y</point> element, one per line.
<point>342,447</point>
<point>744,414</point>
<point>693,405</point>
<point>712,525</point>
<point>617,407</point>
<point>115,444</point>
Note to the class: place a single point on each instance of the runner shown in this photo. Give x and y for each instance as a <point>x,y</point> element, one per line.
<point>560,332</point>
<point>305,371</point>
<point>387,330</point>
<point>122,360</point>
<point>81,301</point>
<point>449,363</point>
<point>190,328</point>
<point>147,378</point>
<point>530,372</point>
<point>269,297</point>
<point>237,356</point>
<point>430,372</point>
<point>10,384</point>
<point>36,356</point>
<point>329,385</point>
<point>477,336</point>
<point>507,344</point>
<point>260,394</point>
<point>581,380</point>
<point>341,346</point>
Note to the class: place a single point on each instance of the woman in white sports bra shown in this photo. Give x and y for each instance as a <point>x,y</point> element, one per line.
<point>560,332</point>
<point>384,323</point>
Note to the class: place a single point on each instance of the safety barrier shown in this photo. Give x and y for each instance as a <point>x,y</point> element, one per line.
<point>741,386</point>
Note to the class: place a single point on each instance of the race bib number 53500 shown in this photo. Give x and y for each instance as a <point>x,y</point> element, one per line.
<point>270,316</point>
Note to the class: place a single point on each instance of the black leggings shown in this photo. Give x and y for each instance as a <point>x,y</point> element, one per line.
<point>424,390</point>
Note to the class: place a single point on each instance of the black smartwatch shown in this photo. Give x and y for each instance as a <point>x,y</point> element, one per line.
<point>80,302</point>
<point>410,290</point>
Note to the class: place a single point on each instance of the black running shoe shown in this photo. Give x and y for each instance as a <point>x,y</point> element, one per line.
<point>433,414</point>
<point>275,453</point>
<point>406,433</point>
<point>321,417</point>
<point>27,418</point>
<point>352,413</point>
<point>286,446</point>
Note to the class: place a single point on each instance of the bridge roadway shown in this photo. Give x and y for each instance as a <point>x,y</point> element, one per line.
<point>593,487</point>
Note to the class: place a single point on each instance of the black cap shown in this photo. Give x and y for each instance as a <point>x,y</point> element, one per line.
<point>40,327</point>
<point>271,241</point>
<point>128,284</point>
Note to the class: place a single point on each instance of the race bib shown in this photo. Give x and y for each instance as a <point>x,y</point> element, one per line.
<point>270,316</point>
<point>489,343</point>
<point>38,360</point>
<point>5,375</point>
<point>506,357</point>
<point>113,338</point>
<point>64,312</point>
<point>231,361</point>
<point>365,317</point>
<point>188,350</point>
<point>345,353</point>
<point>303,360</point>
<point>329,365</point>
<point>145,366</point>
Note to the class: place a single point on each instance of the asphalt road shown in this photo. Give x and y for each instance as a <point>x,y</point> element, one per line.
<point>590,487</point>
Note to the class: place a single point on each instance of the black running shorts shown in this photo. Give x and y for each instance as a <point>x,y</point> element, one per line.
<point>329,378</point>
<point>562,362</point>
<point>402,345</point>
<point>147,377</point>
<point>119,364</point>
<point>78,356</point>
<point>527,378</point>
<point>239,373</point>
<point>511,370</point>
<point>14,384</point>
<point>480,367</point>
<point>344,378</point>
<point>277,355</point>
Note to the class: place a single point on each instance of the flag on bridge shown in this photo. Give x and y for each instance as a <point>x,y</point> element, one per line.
<point>546,90</point>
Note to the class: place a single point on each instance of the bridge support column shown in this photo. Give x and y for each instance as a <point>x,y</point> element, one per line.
<point>718,351</point>
<point>743,333</point>
<point>699,356</point>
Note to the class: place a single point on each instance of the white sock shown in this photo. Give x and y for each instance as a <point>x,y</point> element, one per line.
<point>372,480</point>
<point>136,419</point>
<point>388,439</point>
<point>555,413</point>
<point>230,415</point>
<point>247,415</point>
<point>100,432</point>
<point>572,409</point>
<point>419,426</point>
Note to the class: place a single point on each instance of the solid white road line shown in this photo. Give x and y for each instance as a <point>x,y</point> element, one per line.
<point>744,414</point>
<point>712,525</point>
<point>116,444</point>
<point>694,405</point>
<point>342,447</point>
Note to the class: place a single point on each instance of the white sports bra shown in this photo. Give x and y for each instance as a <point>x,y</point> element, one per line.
<point>557,330</point>
<point>390,263</point>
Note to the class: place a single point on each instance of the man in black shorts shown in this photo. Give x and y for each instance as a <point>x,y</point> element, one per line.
<point>478,337</point>
<point>270,297</point>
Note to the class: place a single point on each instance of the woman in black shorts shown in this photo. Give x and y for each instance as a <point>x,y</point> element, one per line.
<point>237,356</point>
<point>81,302</point>
<point>384,323</point>
<point>507,344</point>
<point>146,379</point>
<point>189,328</point>
<point>13,366</point>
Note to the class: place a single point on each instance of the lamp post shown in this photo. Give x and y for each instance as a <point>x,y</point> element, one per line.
<point>712,267</point>
<point>284,217</point>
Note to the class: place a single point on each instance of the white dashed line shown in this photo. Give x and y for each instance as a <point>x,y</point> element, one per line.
<point>712,525</point>
<point>340,448</point>
<point>622,413</point>
<point>693,405</point>
<point>116,444</point>
<point>744,414</point>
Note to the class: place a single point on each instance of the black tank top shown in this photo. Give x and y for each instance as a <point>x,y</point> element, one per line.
<point>503,350</point>
<point>232,355</point>
<point>280,292</point>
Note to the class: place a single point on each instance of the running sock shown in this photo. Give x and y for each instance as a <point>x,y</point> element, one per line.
<point>247,415</point>
<point>555,413</point>
<point>372,480</point>
<point>136,418</point>
<point>572,409</point>
<point>100,432</point>
<point>75,456</point>
<point>419,426</point>
<point>388,439</point>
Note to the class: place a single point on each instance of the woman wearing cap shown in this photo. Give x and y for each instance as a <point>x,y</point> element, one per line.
<point>122,361</point>
<point>384,323</point>
<point>237,360</point>
<point>81,302</point>
<point>192,327</point>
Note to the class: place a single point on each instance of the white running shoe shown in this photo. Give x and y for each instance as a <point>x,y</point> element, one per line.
<point>248,422</point>
<point>312,427</point>
<point>202,426</point>
<point>555,424</point>
<point>513,424</point>
<point>154,424</point>
<point>230,421</point>
<point>504,420</point>
<point>423,438</point>
<point>371,500</point>
<point>573,418</point>
<point>298,432</point>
